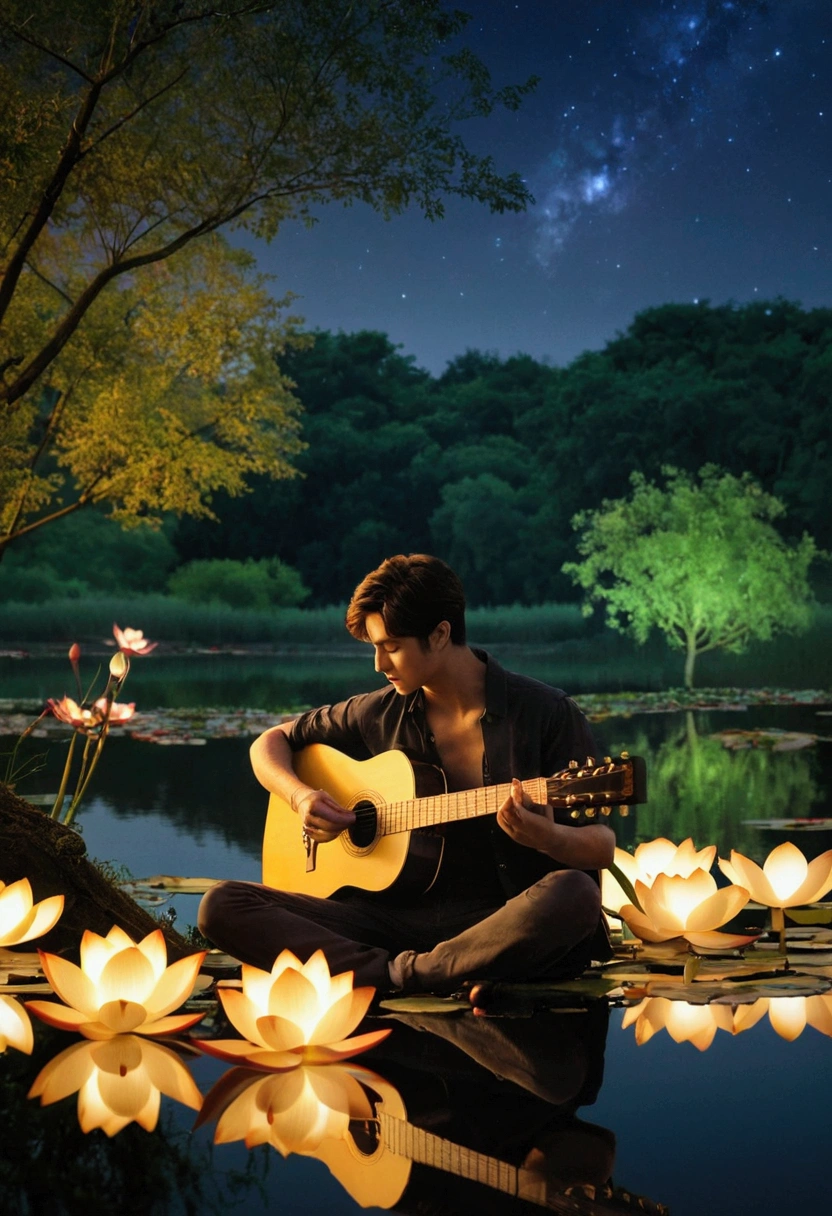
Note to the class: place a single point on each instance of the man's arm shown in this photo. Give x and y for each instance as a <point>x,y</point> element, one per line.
<point>591,847</point>
<point>271,758</point>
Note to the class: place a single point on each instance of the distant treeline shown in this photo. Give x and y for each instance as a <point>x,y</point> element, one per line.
<point>487,464</point>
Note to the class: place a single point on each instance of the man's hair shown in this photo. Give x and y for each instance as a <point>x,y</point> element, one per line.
<point>413,594</point>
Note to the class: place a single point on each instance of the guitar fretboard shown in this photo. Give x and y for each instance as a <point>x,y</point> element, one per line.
<point>448,808</point>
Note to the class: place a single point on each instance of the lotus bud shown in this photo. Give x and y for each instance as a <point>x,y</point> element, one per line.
<point>119,666</point>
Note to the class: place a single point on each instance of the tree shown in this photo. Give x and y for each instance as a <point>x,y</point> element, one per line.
<point>131,132</point>
<point>699,559</point>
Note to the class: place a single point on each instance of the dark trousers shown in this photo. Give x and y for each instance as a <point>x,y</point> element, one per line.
<point>545,932</point>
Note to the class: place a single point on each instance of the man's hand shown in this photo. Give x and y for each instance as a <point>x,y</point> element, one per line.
<point>322,817</point>
<point>525,821</point>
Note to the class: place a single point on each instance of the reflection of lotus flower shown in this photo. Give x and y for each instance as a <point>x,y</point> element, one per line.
<point>118,1082</point>
<point>295,1014</point>
<point>689,907</point>
<point>119,987</point>
<point>789,1015</point>
<point>20,918</point>
<point>118,712</point>
<point>294,1111</point>
<point>132,641</point>
<point>786,878</point>
<point>653,857</point>
<point>15,1026</point>
<point>684,1023</point>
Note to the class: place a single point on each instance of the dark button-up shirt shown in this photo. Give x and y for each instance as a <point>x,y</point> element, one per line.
<point>529,729</point>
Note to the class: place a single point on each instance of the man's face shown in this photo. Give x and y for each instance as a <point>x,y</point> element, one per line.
<point>403,660</point>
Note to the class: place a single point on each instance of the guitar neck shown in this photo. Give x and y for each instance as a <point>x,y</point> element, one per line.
<point>449,808</point>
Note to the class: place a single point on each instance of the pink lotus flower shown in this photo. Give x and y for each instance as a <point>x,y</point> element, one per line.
<point>296,1014</point>
<point>132,641</point>
<point>118,1082</point>
<point>120,987</point>
<point>20,918</point>
<point>119,712</point>
<point>75,715</point>
<point>15,1026</point>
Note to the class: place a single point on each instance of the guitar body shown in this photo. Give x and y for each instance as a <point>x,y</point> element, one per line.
<point>404,861</point>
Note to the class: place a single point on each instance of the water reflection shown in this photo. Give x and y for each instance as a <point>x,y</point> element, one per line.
<point>700,789</point>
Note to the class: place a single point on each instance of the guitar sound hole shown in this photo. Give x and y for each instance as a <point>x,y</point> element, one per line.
<point>363,831</point>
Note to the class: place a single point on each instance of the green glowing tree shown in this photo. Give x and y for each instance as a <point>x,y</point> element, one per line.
<point>699,559</point>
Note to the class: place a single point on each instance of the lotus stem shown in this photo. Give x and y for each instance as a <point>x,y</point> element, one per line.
<point>61,794</point>
<point>778,925</point>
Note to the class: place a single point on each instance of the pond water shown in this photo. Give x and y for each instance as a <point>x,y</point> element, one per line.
<point>538,1103</point>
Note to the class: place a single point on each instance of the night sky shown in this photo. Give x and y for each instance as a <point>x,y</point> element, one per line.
<point>676,152</point>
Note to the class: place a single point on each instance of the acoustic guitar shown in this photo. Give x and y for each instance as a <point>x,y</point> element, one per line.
<point>397,803</point>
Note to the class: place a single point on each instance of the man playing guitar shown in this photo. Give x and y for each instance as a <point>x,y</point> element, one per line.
<point>516,895</point>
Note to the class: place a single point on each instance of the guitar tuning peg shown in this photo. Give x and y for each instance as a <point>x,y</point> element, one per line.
<point>607,759</point>
<point>624,811</point>
<point>590,812</point>
<point>625,755</point>
<point>573,763</point>
<point>590,761</point>
<point>574,814</point>
<point>606,810</point>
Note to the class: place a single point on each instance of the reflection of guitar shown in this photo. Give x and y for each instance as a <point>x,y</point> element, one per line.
<point>393,799</point>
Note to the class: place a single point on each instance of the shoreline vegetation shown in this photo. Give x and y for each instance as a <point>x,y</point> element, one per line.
<point>552,641</point>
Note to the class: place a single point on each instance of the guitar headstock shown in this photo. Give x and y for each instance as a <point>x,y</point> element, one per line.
<point>587,793</point>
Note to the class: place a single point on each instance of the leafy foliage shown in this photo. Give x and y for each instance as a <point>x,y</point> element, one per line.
<point>699,560</point>
<point>137,363</point>
<point>268,583</point>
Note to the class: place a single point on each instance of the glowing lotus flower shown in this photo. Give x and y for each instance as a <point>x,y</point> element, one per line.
<point>75,715</point>
<point>118,1082</point>
<point>119,987</point>
<point>293,1111</point>
<point>15,1026</point>
<point>786,878</point>
<point>295,1014</point>
<point>689,907</point>
<point>789,1015</point>
<point>119,712</point>
<point>132,641</point>
<point>654,857</point>
<point>685,1023</point>
<point>20,918</point>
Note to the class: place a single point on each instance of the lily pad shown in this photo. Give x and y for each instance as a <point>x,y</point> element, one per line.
<point>424,1004</point>
<point>742,992</point>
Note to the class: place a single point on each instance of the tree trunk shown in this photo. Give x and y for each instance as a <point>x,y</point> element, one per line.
<point>52,857</point>
<point>690,659</point>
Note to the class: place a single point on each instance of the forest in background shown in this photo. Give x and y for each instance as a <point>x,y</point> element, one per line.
<point>487,464</point>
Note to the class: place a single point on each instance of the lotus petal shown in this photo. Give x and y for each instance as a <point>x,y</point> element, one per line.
<point>155,950</point>
<point>242,1013</point>
<point>175,985</point>
<point>63,1075</point>
<point>279,1034</point>
<point>320,1054</point>
<point>70,983</point>
<point>712,939</point>
<point>120,1017</point>
<point>294,998</point>
<point>787,1015</point>
<point>61,1016</point>
<point>786,869</point>
<point>169,1074</point>
<point>342,1017</point>
<point>819,1013</point>
<point>717,909</point>
<point>169,1025</point>
<point>235,1051</point>
<point>15,1026</point>
<point>127,976</point>
<point>643,927</point>
<point>746,1016</point>
<point>818,880</point>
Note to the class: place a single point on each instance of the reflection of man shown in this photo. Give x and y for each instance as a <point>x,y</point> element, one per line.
<point>516,895</point>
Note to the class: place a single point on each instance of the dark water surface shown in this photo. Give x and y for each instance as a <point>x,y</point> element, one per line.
<point>741,1128</point>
